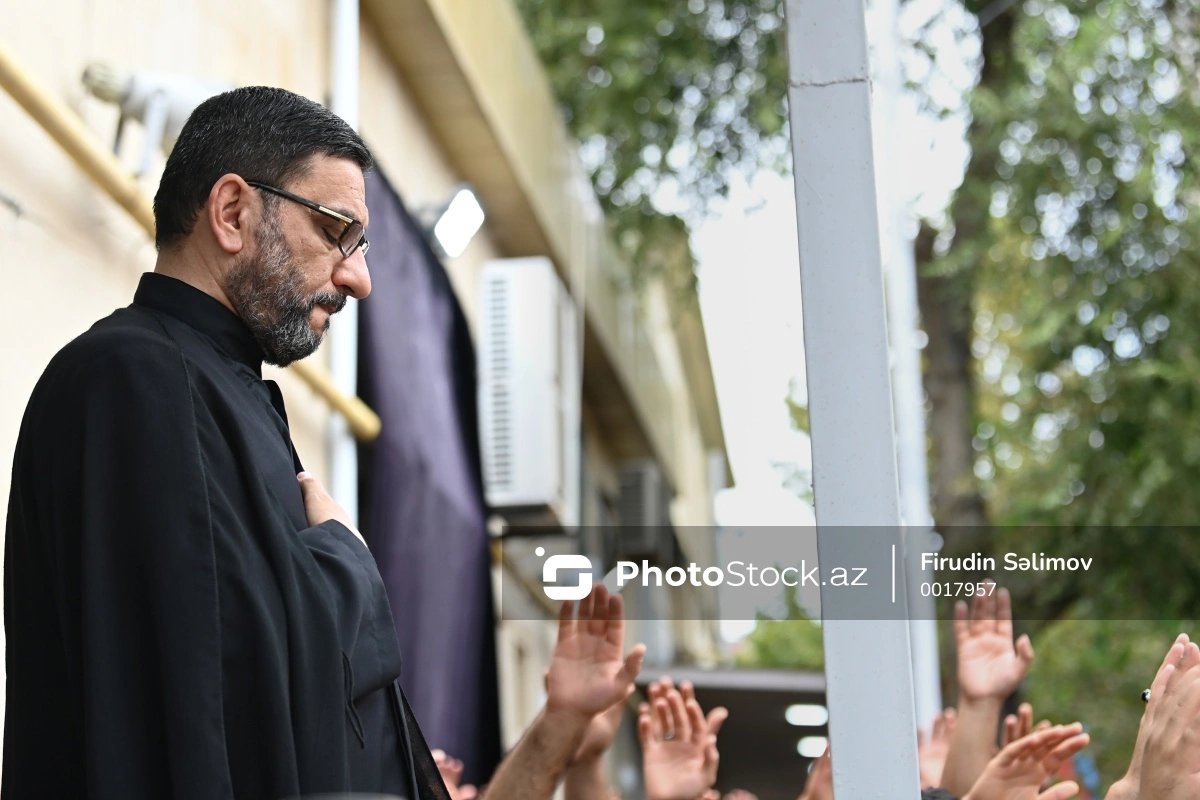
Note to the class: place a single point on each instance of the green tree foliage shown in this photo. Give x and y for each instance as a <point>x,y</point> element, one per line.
<point>1084,292</point>
<point>667,98</point>
<point>792,641</point>
<point>1087,278</point>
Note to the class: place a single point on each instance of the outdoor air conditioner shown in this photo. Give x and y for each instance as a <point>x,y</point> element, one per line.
<point>645,514</point>
<point>529,387</point>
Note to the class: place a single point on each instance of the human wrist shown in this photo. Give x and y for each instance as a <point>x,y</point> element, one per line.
<point>564,721</point>
<point>980,704</point>
<point>1124,789</point>
<point>590,764</point>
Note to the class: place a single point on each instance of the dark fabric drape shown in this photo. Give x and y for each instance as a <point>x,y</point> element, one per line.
<point>422,505</point>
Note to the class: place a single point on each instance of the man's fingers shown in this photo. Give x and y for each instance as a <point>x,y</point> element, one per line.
<point>1158,687</point>
<point>696,722</point>
<point>712,756</point>
<point>1024,652</point>
<point>1024,720</point>
<point>1048,741</point>
<point>679,717</point>
<point>566,622</point>
<point>664,722</point>
<point>633,663</point>
<point>1060,791</point>
<point>645,726</point>
<point>1064,751</point>
<point>716,718</point>
<point>978,610</point>
<point>616,621</point>
<point>598,626</point>
<point>1039,743</point>
<point>584,614</point>
<point>961,624</point>
<point>1003,602</point>
<point>1010,731</point>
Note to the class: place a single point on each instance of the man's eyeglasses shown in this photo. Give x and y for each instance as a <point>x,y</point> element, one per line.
<point>353,236</point>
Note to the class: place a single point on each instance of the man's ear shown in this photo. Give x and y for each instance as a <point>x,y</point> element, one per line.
<point>229,212</point>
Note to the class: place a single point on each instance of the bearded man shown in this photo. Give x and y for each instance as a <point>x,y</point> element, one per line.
<point>188,614</point>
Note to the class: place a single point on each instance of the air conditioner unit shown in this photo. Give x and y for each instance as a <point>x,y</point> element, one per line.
<point>529,394</point>
<point>645,514</point>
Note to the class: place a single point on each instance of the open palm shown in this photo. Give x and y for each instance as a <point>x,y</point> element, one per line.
<point>1170,761</point>
<point>678,753</point>
<point>1019,770</point>
<point>989,663</point>
<point>589,672</point>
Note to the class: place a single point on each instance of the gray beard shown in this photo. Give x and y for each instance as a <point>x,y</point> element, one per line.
<point>267,292</point>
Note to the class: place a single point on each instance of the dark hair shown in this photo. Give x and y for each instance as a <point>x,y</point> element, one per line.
<point>259,132</point>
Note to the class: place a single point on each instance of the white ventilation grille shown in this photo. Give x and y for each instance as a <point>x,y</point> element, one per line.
<point>499,462</point>
<point>529,386</point>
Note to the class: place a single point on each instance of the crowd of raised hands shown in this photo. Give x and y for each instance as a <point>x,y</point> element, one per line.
<point>960,756</point>
<point>969,753</point>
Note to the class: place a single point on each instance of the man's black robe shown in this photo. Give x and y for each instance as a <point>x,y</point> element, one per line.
<point>175,628</point>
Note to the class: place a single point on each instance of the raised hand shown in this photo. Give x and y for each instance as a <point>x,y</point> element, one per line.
<point>1127,787</point>
<point>819,785</point>
<point>589,672</point>
<point>1170,756</point>
<point>678,753</point>
<point>932,748</point>
<point>588,675</point>
<point>989,664</point>
<point>1018,726</point>
<point>451,772</point>
<point>712,721</point>
<point>1017,771</point>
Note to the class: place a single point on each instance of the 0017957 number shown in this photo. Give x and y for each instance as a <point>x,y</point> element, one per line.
<point>949,589</point>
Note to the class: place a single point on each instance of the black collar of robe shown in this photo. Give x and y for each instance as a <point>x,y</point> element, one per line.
<point>205,313</point>
<point>174,626</point>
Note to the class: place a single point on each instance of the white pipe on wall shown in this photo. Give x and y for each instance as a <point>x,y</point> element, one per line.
<point>899,264</point>
<point>343,334</point>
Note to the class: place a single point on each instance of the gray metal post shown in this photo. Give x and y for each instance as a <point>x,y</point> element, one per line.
<point>867,662</point>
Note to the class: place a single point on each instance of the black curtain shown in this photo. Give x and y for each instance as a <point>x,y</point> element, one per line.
<point>422,505</point>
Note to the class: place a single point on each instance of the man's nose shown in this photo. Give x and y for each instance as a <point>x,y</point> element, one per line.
<point>353,276</point>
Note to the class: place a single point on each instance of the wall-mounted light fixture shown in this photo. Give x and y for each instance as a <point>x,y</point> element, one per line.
<point>451,226</point>
<point>162,103</point>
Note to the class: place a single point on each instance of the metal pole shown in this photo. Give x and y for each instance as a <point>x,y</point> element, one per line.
<point>899,263</point>
<point>867,661</point>
<point>343,335</point>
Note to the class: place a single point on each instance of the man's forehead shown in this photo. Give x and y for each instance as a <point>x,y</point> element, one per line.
<point>337,184</point>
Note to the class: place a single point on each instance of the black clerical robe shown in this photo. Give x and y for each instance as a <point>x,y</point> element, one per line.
<point>175,627</point>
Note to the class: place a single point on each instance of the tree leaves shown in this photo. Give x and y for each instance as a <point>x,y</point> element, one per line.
<point>669,99</point>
